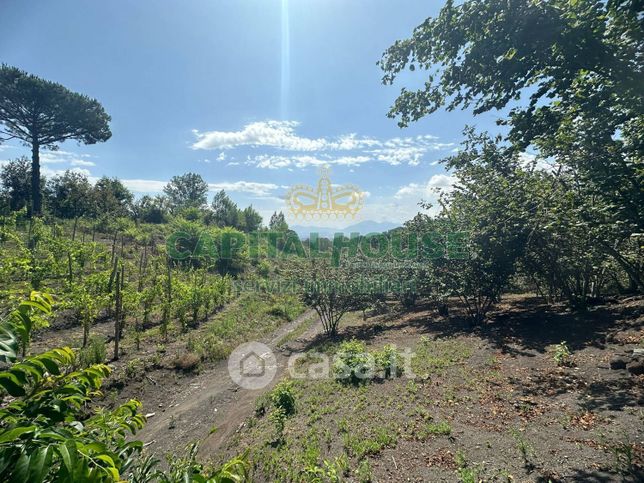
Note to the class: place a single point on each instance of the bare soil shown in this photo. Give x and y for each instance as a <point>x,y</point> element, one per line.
<point>488,403</point>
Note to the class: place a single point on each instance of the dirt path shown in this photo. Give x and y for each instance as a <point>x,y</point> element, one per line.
<point>212,400</point>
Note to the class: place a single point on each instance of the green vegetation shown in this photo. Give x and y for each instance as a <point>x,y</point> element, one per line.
<point>552,206</point>
<point>354,364</point>
<point>43,114</point>
<point>562,356</point>
<point>46,433</point>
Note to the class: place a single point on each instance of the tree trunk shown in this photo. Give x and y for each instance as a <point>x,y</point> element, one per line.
<point>36,198</point>
<point>117,316</point>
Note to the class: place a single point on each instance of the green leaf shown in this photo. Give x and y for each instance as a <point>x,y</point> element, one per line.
<point>8,344</point>
<point>9,382</point>
<point>15,433</point>
<point>21,470</point>
<point>69,455</point>
<point>39,465</point>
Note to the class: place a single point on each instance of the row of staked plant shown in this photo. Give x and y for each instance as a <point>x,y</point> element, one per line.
<point>122,275</point>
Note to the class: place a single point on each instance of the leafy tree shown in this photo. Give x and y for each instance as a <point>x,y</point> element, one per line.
<point>225,211</point>
<point>111,197</point>
<point>278,222</point>
<point>42,114</point>
<point>150,210</point>
<point>15,177</point>
<point>186,191</point>
<point>328,289</point>
<point>28,316</point>
<point>577,68</point>
<point>252,221</point>
<point>69,195</point>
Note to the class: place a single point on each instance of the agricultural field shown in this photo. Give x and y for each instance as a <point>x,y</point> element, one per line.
<point>322,241</point>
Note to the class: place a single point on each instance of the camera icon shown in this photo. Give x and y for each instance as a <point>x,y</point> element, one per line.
<point>252,365</point>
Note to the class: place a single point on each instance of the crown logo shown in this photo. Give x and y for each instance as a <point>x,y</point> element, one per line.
<point>324,201</point>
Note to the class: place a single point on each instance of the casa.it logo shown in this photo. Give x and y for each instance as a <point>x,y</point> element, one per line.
<point>324,201</point>
<point>252,365</point>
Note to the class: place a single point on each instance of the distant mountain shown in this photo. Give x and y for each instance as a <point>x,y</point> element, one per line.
<point>364,227</point>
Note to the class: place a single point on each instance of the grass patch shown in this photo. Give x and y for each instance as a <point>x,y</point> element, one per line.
<point>251,316</point>
<point>435,429</point>
<point>436,356</point>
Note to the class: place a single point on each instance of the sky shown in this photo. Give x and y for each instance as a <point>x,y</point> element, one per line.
<point>254,95</point>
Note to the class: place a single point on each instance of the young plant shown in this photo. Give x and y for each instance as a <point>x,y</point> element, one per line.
<point>562,357</point>
<point>353,363</point>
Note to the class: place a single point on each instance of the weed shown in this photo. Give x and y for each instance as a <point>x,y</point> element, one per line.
<point>282,397</point>
<point>562,356</point>
<point>353,363</point>
<point>94,353</point>
<point>466,474</point>
<point>262,404</point>
<point>363,472</point>
<point>623,456</point>
<point>412,387</point>
<point>523,446</point>
<point>386,437</point>
<point>388,361</point>
<point>435,429</point>
<point>278,418</point>
<point>134,368</point>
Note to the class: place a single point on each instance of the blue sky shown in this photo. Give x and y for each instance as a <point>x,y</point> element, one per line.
<point>254,95</point>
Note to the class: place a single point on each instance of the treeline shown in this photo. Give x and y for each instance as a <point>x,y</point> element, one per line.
<point>71,195</point>
<point>566,219</point>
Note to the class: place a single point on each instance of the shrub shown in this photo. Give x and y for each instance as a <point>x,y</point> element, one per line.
<point>262,404</point>
<point>278,418</point>
<point>352,362</point>
<point>212,348</point>
<point>283,398</point>
<point>264,269</point>
<point>388,360</point>
<point>94,353</point>
<point>562,356</point>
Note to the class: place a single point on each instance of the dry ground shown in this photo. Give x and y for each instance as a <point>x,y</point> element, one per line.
<point>488,403</point>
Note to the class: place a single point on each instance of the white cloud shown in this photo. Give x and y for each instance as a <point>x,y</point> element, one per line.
<point>305,151</point>
<point>81,162</point>
<point>50,173</point>
<point>438,182</point>
<point>144,185</point>
<point>156,186</point>
<point>254,188</point>
<point>442,181</point>
<point>411,155</point>
<point>302,161</point>
<point>276,134</point>
<point>65,157</point>
<point>281,135</point>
